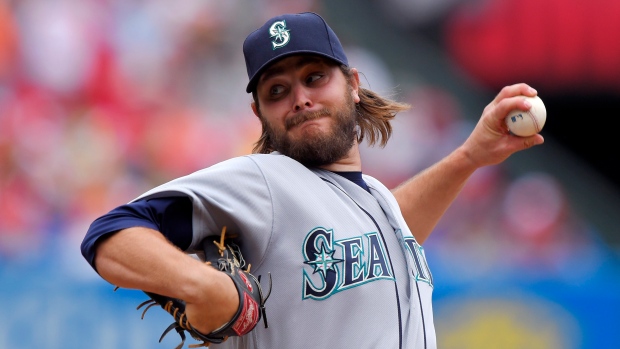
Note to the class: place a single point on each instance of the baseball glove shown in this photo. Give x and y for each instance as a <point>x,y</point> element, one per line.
<point>223,254</point>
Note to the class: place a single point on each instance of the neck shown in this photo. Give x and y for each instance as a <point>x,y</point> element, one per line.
<point>350,162</point>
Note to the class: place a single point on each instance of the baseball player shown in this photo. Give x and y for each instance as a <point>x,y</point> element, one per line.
<point>344,252</point>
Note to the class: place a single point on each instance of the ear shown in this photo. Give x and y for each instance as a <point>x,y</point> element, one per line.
<point>355,85</point>
<point>255,110</point>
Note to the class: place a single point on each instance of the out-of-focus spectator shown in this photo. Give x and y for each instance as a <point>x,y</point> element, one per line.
<point>561,46</point>
<point>546,236</point>
<point>58,43</point>
<point>417,13</point>
<point>266,8</point>
<point>8,42</point>
<point>31,125</point>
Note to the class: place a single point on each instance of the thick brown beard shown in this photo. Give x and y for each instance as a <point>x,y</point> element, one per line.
<point>320,149</point>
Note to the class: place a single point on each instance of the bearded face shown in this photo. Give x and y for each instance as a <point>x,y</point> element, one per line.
<point>321,147</point>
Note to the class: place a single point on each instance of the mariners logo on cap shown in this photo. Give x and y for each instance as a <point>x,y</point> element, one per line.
<point>281,36</point>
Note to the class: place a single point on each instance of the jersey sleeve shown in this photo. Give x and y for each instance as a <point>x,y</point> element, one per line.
<point>232,194</point>
<point>172,216</point>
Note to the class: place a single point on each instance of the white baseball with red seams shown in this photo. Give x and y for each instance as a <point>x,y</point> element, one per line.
<point>527,123</point>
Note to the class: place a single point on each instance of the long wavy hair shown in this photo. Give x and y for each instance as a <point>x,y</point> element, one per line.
<point>374,116</point>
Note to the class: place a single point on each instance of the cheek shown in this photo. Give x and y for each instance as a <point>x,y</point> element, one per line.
<point>273,113</point>
<point>270,122</point>
<point>337,97</point>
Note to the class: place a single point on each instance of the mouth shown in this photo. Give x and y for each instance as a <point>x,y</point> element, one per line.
<point>308,116</point>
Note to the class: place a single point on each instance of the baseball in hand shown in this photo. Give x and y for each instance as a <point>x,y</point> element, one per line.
<point>528,123</point>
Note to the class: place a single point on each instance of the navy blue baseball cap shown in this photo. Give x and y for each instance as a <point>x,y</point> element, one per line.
<point>289,34</point>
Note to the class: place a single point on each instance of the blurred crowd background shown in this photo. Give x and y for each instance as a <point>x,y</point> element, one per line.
<point>101,100</point>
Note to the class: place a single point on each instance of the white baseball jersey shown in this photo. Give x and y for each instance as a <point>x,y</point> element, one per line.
<point>346,270</point>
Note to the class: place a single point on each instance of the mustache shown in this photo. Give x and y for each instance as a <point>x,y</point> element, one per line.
<point>303,117</point>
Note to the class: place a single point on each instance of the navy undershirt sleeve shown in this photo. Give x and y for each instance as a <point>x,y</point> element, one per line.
<point>355,177</point>
<point>172,216</point>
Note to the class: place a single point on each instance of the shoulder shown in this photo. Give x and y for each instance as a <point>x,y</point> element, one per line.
<point>254,160</point>
<point>238,166</point>
<point>251,167</point>
<point>243,173</point>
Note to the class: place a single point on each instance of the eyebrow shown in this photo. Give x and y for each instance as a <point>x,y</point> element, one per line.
<point>278,69</point>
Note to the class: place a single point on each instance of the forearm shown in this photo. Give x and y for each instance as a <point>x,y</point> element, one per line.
<point>424,198</point>
<point>142,258</point>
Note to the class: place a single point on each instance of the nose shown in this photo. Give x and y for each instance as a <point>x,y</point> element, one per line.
<point>301,98</point>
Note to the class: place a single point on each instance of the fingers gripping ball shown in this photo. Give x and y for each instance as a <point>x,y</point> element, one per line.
<point>223,254</point>
<point>527,123</point>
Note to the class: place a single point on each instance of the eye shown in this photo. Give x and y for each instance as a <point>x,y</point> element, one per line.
<point>276,90</point>
<point>313,77</point>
